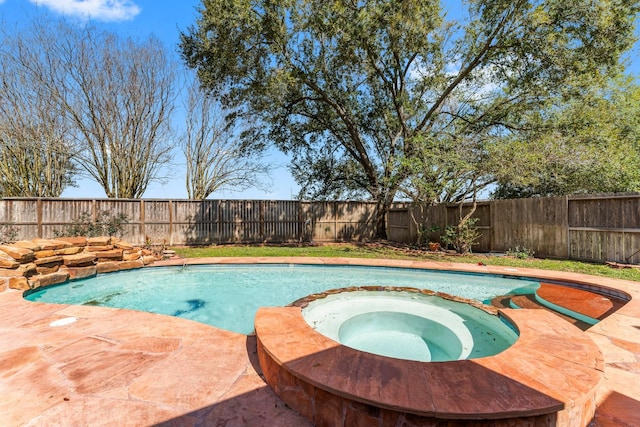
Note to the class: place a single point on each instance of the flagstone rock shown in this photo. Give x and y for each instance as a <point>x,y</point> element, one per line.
<point>8,262</point>
<point>148,259</point>
<point>28,244</point>
<point>46,244</point>
<point>121,244</point>
<point>69,251</point>
<point>130,256</point>
<point>99,241</point>
<point>27,270</point>
<point>10,272</point>
<point>82,259</point>
<point>107,267</point>
<point>49,260</point>
<point>22,255</point>
<point>47,269</point>
<point>20,283</point>
<point>98,248</point>
<point>48,279</point>
<point>76,273</point>
<point>46,253</point>
<point>112,255</point>
<point>29,264</point>
<point>75,241</point>
<point>128,265</point>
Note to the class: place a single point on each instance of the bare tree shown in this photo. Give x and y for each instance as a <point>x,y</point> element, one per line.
<point>116,94</point>
<point>36,148</point>
<point>213,151</point>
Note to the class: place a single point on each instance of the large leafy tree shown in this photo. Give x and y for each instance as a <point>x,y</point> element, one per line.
<point>587,145</point>
<point>355,90</point>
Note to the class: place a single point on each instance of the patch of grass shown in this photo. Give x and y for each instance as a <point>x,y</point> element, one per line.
<point>377,250</point>
<point>340,251</point>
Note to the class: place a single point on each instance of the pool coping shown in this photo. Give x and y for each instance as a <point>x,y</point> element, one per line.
<point>508,385</point>
<point>174,387</point>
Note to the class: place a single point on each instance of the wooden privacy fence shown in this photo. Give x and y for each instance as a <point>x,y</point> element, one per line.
<point>596,228</point>
<point>189,222</point>
<point>592,228</point>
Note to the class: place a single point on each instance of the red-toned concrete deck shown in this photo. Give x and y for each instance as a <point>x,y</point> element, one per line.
<point>119,367</point>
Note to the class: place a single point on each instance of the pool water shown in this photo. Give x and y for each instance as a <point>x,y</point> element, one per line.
<point>228,296</point>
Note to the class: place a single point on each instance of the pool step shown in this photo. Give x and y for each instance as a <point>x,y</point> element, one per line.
<point>582,302</point>
<point>580,307</point>
<point>529,302</point>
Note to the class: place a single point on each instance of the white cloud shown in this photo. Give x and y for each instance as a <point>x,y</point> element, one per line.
<point>101,10</point>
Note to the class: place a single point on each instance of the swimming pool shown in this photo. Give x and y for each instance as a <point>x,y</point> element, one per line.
<point>228,296</point>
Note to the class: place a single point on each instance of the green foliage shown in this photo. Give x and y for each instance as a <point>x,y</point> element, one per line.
<point>462,236</point>
<point>520,252</point>
<point>105,224</point>
<point>372,98</point>
<point>433,232</point>
<point>586,145</point>
<point>8,233</point>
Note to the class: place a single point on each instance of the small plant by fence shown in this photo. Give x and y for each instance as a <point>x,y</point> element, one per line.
<point>8,233</point>
<point>104,224</point>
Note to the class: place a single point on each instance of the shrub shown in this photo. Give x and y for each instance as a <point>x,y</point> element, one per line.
<point>8,233</point>
<point>105,224</point>
<point>462,236</point>
<point>520,252</point>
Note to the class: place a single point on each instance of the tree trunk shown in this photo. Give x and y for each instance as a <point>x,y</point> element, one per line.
<point>382,208</point>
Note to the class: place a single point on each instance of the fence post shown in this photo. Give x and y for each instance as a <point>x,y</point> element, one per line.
<point>492,221</point>
<point>142,227</point>
<point>335,221</point>
<point>566,225</point>
<point>39,215</point>
<point>261,219</point>
<point>219,221</point>
<point>171,222</point>
<point>94,210</point>
<point>301,221</point>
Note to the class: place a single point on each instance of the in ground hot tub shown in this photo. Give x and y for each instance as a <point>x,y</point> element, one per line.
<point>409,325</point>
<point>549,376</point>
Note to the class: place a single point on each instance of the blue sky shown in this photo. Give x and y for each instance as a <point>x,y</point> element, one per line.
<point>165,19</point>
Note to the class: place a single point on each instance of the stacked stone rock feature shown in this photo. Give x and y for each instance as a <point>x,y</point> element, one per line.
<point>30,264</point>
<point>21,255</point>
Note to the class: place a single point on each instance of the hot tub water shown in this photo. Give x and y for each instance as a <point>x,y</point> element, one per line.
<point>409,325</point>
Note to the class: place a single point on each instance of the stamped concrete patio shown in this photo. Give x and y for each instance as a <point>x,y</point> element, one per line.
<point>127,368</point>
